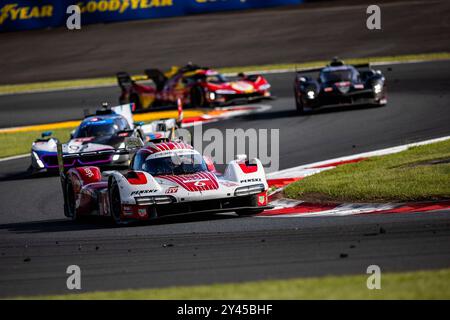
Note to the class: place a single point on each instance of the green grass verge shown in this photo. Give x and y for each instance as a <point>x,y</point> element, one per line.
<point>407,285</point>
<point>417,174</point>
<point>16,143</point>
<point>110,81</point>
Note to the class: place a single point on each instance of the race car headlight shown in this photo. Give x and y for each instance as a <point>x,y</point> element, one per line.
<point>264,87</point>
<point>35,156</point>
<point>147,201</point>
<point>378,87</point>
<point>311,94</point>
<point>249,190</point>
<point>38,161</point>
<point>225,91</point>
<point>212,95</point>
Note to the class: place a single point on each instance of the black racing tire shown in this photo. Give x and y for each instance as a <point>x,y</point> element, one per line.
<point>377,104</point>
<point>134,98</point>
<point>382,104</point>
<point>70,202</point>
<point>247,213</point>
<point>299,104</point>
<point>31,171</point>
<point>197,97</point>
<point>115,203</point>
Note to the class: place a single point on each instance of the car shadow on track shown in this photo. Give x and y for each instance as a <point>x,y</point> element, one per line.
<point>25,175</point>
<point>333,109</point>
<point>273,114</point>
<point>95,223</point>
<point>28,174</point>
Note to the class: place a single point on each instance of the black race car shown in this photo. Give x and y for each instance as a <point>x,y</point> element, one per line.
<point>339,84</point>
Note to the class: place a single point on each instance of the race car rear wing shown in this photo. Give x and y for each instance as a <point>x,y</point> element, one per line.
<point>308,70</point>
<point>312,70</point>
<point>125,80</point>
<point>362,65</point>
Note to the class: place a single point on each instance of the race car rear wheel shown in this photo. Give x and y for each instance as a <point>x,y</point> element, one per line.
<point>299,104</point>
<point>197,97</point>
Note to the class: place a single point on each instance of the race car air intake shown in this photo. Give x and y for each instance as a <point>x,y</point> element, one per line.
<point>249,190</point>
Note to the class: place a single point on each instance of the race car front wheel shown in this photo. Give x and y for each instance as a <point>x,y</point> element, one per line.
<point>299,104</point>
<point>115,203</point>
<point>198,97</point>
<point>70,201</point>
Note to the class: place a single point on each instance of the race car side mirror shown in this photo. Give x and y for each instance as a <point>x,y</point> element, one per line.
<point>133,143</point>
<point>46,134</point>
<point>209,164</point>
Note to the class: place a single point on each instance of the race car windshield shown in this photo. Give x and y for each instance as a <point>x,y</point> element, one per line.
<point>337,76</point>
<point>173,165</point>
<point>96,130</point>
<point>217,78</point>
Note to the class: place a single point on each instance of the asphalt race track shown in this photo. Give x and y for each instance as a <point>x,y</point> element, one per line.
<point>38,243</point>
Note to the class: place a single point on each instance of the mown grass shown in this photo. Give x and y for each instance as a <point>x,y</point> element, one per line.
<point>418,174</point>
<point>110,81</point>
<point>12,144</point>
<point>407,285</point>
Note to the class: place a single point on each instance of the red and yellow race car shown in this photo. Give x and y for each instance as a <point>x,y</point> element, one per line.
<point>195,86</point>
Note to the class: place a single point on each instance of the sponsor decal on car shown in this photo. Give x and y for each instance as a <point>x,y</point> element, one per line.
<point>251,180</point>
<point>172,190</point>
<point>88,172</point>
<point>141,192</point>
<point>229,184</point>
<point>142,212</point>
<point>262,199</point>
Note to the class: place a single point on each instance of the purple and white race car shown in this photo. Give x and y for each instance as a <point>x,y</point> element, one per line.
<point>99,140</point>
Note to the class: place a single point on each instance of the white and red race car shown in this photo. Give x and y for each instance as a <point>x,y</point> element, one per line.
<point>166,178</point>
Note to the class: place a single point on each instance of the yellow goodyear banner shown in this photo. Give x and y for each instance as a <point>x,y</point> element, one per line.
<point>32,14</point>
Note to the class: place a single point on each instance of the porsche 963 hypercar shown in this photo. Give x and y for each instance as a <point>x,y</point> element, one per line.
<point>165,178</point>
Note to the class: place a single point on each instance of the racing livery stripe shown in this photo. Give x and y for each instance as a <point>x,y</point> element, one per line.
<point>188,182</point>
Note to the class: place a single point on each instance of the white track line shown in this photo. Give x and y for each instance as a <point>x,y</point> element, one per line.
<point>15,157</point>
